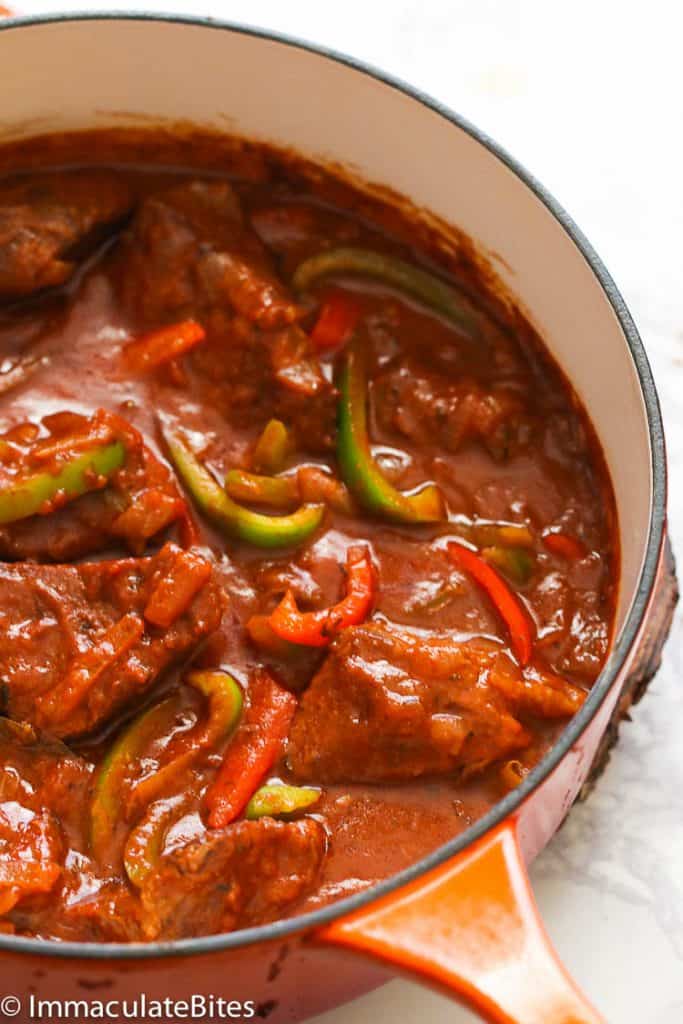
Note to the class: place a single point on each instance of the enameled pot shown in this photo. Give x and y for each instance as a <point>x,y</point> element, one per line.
<point>463,918</point>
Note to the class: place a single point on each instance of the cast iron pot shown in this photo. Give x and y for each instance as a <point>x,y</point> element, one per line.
<point>463,918</point>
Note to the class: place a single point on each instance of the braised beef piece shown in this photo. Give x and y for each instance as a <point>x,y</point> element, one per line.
<point>39,771</point>
<point>46,222</point>
<point>430,408</point>
<point>251,376</point>
<point>77,643</point>
<point>139,502</point>
<point>191,253</point>
<point>571,614</point>
<point>244,875</point>
<point>31,855</point>
<point>390,705</point>
<point>102,910</point>
<point>45,792</point>
<point>43,789</point>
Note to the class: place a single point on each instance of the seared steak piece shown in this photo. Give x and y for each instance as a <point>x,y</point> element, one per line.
<point>77,643</point>
<point>389,705</point>
<point>46,219</point>
<point>244,875</point>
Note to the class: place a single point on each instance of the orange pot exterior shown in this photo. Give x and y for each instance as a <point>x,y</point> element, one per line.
<point>286,981</point>
<point>472,926</point>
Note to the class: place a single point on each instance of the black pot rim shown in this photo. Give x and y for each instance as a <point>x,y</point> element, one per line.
<point>280,930</point>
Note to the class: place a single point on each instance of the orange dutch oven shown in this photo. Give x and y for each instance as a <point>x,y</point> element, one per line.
<point>464,918</point>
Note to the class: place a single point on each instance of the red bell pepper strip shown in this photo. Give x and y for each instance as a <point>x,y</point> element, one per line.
<point>253,751</point>
<point>336,322</point>
<point>564,545</point>
<point>318,629</point>
<point>162,346</point>
<point>260,632</point>
<point>506,603</point>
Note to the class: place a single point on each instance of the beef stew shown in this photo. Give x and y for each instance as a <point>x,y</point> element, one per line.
<point>308,548</point>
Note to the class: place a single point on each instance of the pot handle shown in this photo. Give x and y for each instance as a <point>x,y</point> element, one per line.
<point>473,927</point>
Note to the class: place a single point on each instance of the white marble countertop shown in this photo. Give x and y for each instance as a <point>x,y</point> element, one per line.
<point>589,96</point>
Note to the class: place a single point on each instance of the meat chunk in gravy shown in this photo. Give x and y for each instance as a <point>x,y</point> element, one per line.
<point>429,408</point>
<point>250,376</point>
<point>43,788</point>
<point>191,252</point>
<point>244,875</point>
<point>77,643</point>
<point>139,501</point>
<point>44,222</point>
<point>389,705</point>
<point>45,791</point>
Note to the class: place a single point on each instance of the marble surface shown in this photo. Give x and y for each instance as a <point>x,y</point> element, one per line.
<point>589,96</point>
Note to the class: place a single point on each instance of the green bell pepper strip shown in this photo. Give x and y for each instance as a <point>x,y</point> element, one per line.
<point>272,448</point>
<point>420,284</point>
<point>273,800</point>
<point>505,535</point>
<point>225,700</point>
<point>105,809</point>
<point>225,707</point>
<point>146,841</point>
<point>517,563</point>
<point>310,484</point>
<point>237,522</point>
<point>359,470</point>
<point>86,471</point>
<point>273,491</point>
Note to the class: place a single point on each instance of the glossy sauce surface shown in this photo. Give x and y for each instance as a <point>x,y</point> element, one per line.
<point>544,472</point>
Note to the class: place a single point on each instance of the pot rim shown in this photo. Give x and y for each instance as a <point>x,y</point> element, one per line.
<point>611,671</point>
